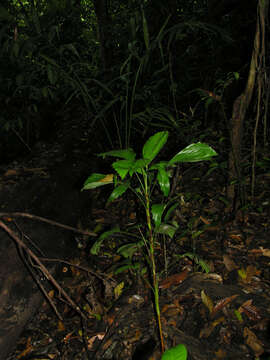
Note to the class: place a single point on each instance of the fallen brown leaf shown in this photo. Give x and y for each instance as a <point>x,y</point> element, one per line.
<point>11,172</point>
<point>207,301</point>
<point>250,310</point>
<point>27,350</point>
<point>229,263</point>
<point>222,303</point>
<point>92,339</point>
<point>174,280</point>
<point>60,326</point>
<point>207,330</point>
<point>265,252</point>
<point>253,342</point>
<point>220,354</point>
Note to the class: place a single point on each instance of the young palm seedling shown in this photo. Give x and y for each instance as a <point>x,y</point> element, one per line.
<point>149,174</point>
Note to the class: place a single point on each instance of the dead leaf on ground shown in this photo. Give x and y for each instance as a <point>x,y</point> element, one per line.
<point>11,172</point>
<point>250,310</point>
<point>171,310</point>
<point>205,221</point>
<point>174,279</point>
<point>247,274</point>
<point>60,326</point>
<point>253,342</point>
<point>222,303</point>
<point>207,330</point>
<point>220,354</point>
<point>265,252</point>
<point>229,263</point>
<point>27,350</point>
<point>92,339</point>
<point>207,301</point>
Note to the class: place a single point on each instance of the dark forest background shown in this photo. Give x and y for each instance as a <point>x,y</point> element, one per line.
<point>83,77</point>
<point>131,68</point>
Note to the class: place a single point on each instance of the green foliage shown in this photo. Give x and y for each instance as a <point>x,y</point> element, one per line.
<point>194,153</point>
<point>178,352</point>
<point>148,174</point>
<point>145,174</point>
<point>95,248</point>
<point>41,62</point>
<point>130,165</point>
<point>96,180</point>
<point>138,100</point>
<point>199,262</point>
<point>55,59</point>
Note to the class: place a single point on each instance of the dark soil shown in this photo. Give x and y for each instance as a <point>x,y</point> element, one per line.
<point>222,314</point>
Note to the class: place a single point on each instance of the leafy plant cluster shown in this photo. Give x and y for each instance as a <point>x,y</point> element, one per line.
<point>50,54</point>
<point>157,215</point>
<point>41,60</point>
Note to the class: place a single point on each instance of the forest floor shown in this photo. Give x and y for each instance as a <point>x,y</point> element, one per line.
<point>214,278</point>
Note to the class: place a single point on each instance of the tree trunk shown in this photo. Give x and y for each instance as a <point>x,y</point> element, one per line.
<point>104,32</point>
<point>239,113</point>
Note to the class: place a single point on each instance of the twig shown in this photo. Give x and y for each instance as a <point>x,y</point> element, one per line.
<point>41,267</point>
<point>100,276</point>
<point>23,235</point>
<point>48,221</point>
<point>37,280</point>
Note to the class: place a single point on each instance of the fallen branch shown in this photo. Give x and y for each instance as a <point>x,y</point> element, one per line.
<point>36,263</point>
<point>48,221</point>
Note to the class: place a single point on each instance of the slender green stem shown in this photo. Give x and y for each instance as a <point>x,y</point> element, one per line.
<point>152,261</point>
